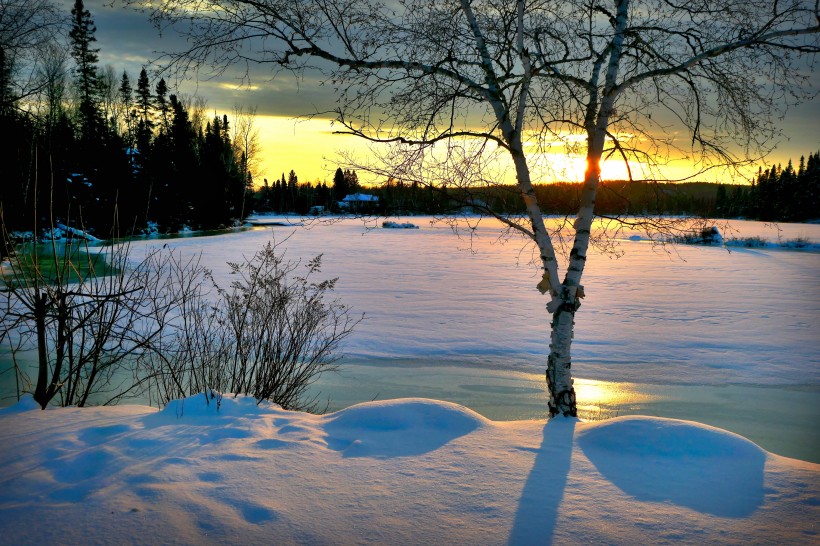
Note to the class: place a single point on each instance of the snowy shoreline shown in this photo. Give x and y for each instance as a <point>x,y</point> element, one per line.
<point>694,315</point>
<point>410,471</point>
<point>788,427</point>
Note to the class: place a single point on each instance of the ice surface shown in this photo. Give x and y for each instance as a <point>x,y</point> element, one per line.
<point>684,314</point>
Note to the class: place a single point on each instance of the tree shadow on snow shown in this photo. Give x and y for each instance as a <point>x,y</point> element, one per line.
<point>544,490</point>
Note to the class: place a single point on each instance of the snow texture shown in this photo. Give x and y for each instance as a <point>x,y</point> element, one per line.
<point>360,198</point>
<point>684,314</point>
<point>400,472</point>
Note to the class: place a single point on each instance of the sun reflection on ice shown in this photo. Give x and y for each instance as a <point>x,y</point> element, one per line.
<point>604,399</point>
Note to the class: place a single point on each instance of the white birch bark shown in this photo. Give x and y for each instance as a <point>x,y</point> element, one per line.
<point>502,77</point>
<point>512,135</point>
<point>559,375</point>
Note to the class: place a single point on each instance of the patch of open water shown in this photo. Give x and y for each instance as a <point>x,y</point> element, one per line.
<point>434,313</point>
<point>780,418</point>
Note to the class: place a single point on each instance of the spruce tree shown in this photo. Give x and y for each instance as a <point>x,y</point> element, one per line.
<point>341,187</point>
<point>85,56</point>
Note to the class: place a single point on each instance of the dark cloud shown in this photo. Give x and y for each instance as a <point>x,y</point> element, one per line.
<point>128,41</point>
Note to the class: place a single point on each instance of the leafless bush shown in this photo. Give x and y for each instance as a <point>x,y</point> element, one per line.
<point>269,334</point>
<point>104,328</point>
<point>90,315</point>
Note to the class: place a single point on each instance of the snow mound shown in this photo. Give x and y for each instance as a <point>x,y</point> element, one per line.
<point>658,437</point>
<point>256,474</point>
<point>213,404</point>
<point>26,403</point>
<point>397,428</point>
<point>703,468</point>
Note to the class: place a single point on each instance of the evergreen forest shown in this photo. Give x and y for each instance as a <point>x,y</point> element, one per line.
<point>97,150</point>
<point>776,194</point>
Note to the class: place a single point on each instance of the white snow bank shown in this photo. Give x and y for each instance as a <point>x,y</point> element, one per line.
<point>637,436</point>
<point>398,428</point>
<point>271,220</point>
<point>714,238</point>
<point>398,472</point>
<point>26,403</point>
<point>82,234</point>
<point>214,405</point>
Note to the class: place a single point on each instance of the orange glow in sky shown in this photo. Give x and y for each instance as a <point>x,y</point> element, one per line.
<point>127,41</point>
<point>311,149</point>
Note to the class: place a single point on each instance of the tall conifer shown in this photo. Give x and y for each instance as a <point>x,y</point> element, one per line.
<point>85,56</point>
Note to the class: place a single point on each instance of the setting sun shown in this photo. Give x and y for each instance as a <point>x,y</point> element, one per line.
<point>313,149</point>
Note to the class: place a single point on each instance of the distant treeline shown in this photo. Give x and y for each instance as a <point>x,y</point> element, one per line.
<point>88,148</point>
<point>289,195</point>
<point>777,194</point>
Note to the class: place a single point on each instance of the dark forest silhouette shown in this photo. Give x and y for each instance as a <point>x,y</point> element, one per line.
<point>99,153</point>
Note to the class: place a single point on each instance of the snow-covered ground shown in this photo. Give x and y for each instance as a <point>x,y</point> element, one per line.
<point>400,472</point>
<point>446,322</point>
<point>684,315</point>
<point>679,317</point>
<point>417,471</point>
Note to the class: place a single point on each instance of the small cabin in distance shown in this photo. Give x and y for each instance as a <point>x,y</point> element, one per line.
<point>359,202</point>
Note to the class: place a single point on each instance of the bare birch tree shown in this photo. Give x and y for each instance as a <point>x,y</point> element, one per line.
<point>604,77</point>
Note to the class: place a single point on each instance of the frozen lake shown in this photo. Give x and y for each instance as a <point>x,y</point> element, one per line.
<point>727,338</point>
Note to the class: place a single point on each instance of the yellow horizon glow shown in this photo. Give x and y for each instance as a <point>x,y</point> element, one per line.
<point>310,148</point>
<point>306,146</point>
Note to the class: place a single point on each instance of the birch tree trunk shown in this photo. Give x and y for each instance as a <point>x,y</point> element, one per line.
<point>530,71</point>
<point>559,376</point>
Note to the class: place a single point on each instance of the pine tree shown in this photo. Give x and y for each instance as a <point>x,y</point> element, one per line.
<point>162,103</point>
<point>810,188</point>
<point>352,180</point>
<point>341,187</point>
<point>291,191</point>
<point>126,97</point>
<point>181,184</point>
<point>82,37</point>
<point>145,124</point>
<point>788,192</point>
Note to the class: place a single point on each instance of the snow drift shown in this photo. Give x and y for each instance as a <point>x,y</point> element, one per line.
<point>401,472</point>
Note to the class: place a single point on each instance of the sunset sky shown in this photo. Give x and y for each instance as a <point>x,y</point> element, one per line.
<point>127,41</point>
